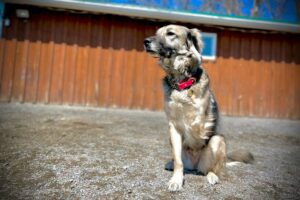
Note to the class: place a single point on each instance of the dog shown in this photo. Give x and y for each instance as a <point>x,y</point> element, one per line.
<point>190,106</point>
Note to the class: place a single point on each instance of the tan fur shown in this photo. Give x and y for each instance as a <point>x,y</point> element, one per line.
<point>241,156</point>
<point>192,113</point>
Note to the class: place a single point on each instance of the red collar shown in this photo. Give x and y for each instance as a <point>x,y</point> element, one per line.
<point>185,84</point>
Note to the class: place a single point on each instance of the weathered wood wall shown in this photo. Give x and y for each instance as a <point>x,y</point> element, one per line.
<point>86,59</point>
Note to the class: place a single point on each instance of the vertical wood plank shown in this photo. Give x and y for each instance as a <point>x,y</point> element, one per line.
<point>296,81</point>
<point>246,75</point>
<point>129,65</point>
<point>70,58</point>
<point>82,60</point>
<point>2,52</point>
<point>93,86</point>
<point>265,85</point>
<point>236,66</point>
<point>225,78</point>
<point>285,52</point>
<point>21,58</point>
<point>33,59</point>
<point>139,73</point>
<point>278,93</point>
<point>256,100</point>
<point>47,47</point>
<point>56,87</point>
<point>293,77</point>
<point>10,33</point>
<point>152,79</point>
<point>117,64</point>
<point>105,62</point>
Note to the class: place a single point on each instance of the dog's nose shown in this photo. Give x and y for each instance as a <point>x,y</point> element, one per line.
<point>147,42</point>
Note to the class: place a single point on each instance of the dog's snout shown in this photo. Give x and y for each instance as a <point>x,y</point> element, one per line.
<point>147,42</point>
<point>150,46</point>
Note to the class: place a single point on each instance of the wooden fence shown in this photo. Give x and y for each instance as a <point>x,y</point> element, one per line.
<point>98,60</point>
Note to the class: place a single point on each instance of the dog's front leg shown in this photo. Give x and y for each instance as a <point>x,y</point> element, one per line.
<point>176,181</point>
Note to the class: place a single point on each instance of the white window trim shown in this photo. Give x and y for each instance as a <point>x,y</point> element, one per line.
<point>214,49</point>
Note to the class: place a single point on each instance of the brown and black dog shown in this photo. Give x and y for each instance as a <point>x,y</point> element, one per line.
<point>190,105</point>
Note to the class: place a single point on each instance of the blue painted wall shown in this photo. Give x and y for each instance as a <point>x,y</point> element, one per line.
<point>1,16</point>
<point>287,11</point>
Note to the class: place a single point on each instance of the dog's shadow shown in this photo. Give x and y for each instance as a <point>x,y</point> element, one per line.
<point>170,167</point>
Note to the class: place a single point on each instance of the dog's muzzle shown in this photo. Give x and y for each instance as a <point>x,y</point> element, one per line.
<point>149,46</point>
<point>157,49</point>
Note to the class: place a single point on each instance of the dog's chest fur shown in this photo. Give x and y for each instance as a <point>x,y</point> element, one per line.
<point>192,112</point>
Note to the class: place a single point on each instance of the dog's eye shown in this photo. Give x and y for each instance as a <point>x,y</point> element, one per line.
<point>170,33</point>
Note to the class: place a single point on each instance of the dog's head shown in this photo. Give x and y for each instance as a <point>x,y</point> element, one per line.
<point>172,41</point>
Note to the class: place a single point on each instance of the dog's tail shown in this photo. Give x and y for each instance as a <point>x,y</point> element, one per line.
<point>239,156</point>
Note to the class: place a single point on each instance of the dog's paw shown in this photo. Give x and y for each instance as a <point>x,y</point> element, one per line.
<point>212,178</point>
<point>175,184</point>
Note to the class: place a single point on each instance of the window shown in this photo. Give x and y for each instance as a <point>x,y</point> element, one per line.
<point>210,46</point>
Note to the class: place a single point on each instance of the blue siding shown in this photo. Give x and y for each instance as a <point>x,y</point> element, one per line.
<point>1,17</point>
<point>272,10</point>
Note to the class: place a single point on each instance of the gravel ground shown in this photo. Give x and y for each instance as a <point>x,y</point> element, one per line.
<point>61,152</point>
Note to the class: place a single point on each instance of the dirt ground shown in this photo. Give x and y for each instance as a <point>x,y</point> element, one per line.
<point>61,152</point>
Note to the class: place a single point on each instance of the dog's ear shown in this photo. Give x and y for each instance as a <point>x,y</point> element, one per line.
<point>194,38</point>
